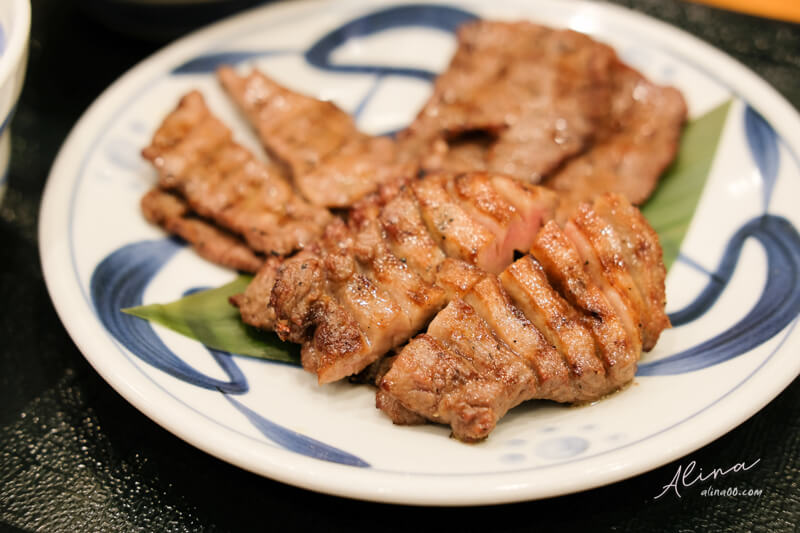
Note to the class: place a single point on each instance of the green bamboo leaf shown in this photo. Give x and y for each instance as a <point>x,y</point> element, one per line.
<point>209,317</point>
<point>674,201</point>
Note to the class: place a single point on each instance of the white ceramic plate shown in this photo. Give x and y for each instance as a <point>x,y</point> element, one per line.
<point>99,254</point>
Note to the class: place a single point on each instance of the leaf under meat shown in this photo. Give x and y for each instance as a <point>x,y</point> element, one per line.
<point>671,207</point>
<point>209,317</point>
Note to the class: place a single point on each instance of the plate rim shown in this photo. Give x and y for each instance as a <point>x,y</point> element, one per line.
<point>314,474</point>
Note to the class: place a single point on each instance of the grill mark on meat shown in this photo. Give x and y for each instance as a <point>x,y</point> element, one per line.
<point>467,335</point>
<point>599,244</point>
<point>415,297</point>
<point>457,277</point>
<point>215,244</point>
<point>387,272</point>
<point>515,337</point>
<point>440,385</point>
<point>338,347</point>
<point>565,271</point>
<point>197,158</point>
<point>408,237</point>
<point>642,257</point>
<point>577,373</point>
<point>509,323</point>
<point>332,163</point>
<point>449,225</point>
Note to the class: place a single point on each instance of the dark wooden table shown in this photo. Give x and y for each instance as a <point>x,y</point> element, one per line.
<point>75,456</point>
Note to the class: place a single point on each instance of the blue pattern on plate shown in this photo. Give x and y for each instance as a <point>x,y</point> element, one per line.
<point>763,143</point>
<point>119,281</point>
<point>207,64</point>
<point>562,448</point>
<point>774,310</point>
<point>777,306</point>
<point>296,442</point>
<point>428,16</point>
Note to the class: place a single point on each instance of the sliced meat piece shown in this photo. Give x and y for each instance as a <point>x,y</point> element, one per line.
<point>577,374</point>
<point>431,380</point>
<point>254,302</point>
<point>298,288</point>
<point>338,347</point>
<point>452,227</point>
<point>457,277</point>
<point>357,170</point>
<point>331,162</point>
<point>565,271</point>
<point>513,222</point>
<point>218,246</point>
<point>298,130</point>
<point>417,299</point>
<point>464,332</point>
<point>551,328</point>
<point>196,157</point>
<point>408,237</point>
<point>351,276</point>
<point>642,257</point>
<point>509,324</point>
<point>631,155</point>
<point>542,93</point>
<point>598,243</point>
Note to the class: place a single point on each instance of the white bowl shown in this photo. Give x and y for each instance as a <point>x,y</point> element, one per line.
<point>15,27</point>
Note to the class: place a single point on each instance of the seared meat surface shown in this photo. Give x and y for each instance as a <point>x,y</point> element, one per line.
<point>435,223</point>
<point>641,142</point>
<point>369,284</point>
<point>545,104</point>
<point>557,324</point>
<point>217,245</point>
<point>540,92</point>
<point>331,162</point>
<point>220,180</point>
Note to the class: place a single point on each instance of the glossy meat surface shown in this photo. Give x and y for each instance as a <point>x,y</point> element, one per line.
<point>379,278</point>
<point>555,325</point>
<point>331,162</point>
<point>196,157</point>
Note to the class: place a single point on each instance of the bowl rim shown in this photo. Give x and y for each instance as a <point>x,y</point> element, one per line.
<point>17,38</point>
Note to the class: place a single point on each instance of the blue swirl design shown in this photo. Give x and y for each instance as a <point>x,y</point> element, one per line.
<point>119,281</point>
<point>777,306</point>
<point>208,63</point>
<point>295,441</point>
<point>763,143</point>
<point>444,18</point>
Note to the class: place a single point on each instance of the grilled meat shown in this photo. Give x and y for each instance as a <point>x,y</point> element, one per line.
<point>527,100</point>
<point>560,324</point>
<point>217,245</point>
<point>541,93</point>
<point>220,180</point>
<point>369,284</point>
<point>640,143</point>
<point>331,162</point>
